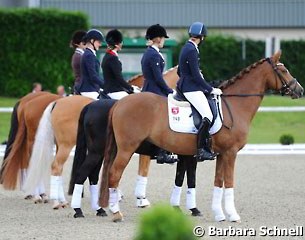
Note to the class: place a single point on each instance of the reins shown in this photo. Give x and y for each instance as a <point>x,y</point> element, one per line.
<point>284,90</point>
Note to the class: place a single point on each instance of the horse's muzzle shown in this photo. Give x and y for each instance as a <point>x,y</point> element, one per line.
<point>295,90</point>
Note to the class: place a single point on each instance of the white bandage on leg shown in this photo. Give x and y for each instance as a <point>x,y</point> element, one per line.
<point>94,197</point>
<point>114,200</point>
<point>41,188</point>
<point>54,187</point>
<point>140,190</point>
<point>175,197</point>
<point>230,206</point>
<point>77,196</point>
<point>191,198</point>
<point>217,204</point>
<point>23,174</point>
<point>61,194</point>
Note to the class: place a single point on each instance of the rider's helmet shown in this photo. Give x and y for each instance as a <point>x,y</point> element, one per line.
<point>77,38</point>
<point>95,35</point>
<point>155,31</point>
<point>114,37</point>
<point>197,29</point>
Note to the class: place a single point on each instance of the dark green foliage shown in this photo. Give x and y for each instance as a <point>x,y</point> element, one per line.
<point>163,222</point>
<point>286,139</point>
<point>35,48</point>
<point>221,57</point>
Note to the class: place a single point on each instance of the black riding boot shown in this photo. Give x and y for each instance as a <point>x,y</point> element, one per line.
<point>204,142</point>
<point>164,157</point>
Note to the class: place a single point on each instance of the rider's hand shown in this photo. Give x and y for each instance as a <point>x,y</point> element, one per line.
<point>216,91</point>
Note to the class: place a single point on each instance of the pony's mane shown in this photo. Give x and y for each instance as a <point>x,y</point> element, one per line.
<point>171,69</point>
<point>246,70</point>
<point>134,77</point>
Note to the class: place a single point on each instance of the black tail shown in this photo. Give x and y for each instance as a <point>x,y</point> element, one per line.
<point>80,150</point>
<point>110,153</point>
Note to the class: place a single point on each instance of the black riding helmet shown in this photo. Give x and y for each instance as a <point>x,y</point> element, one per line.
<point>155,31</point>
<point>114,37</point>
<point>77,38</point>
<point>94,34</point>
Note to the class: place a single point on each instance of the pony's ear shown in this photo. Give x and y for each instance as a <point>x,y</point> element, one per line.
<point>276,57</point>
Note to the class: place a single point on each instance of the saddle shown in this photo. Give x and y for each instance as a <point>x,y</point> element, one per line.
<point>183,117</point>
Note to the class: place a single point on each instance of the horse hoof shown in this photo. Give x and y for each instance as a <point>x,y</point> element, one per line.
<point>64,204</point>
<point>56,205</point>
<point>117,217</point>
<point>142,203</point>
<point>177,208</point>
<point>220,218</point>
<point>196,212</point>
<point>28,197</point>
<point>78,215</point>
<point>101,213</point>
<point>37,200</point>
<point>44,198</point>
<point>235,218</point>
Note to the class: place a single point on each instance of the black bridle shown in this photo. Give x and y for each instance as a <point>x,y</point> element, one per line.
<point>284,90</point>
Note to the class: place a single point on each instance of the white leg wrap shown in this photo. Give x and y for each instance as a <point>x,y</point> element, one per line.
<point>77,196</point>
<point>191,198</point>
<point>54,187</point>
<point>140,190</point>
<point>114,200</point>
<point>230,206</point>
<point>23,174</point>
<point>41,188</point>
<point>61,194</point>
<point>175,197</point>
<point>94,197</point>
<point>216,204</point>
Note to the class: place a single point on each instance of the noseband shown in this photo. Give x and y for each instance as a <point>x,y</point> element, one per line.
<point>286,87</point>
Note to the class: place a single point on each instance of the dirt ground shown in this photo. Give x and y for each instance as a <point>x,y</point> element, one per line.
<point>269,191</point>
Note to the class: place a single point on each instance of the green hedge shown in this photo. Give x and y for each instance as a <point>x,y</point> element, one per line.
<point>221,56</point>
<point>35,48</point>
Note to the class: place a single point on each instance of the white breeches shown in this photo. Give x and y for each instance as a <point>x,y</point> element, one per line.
<point>93,95</point>
<point>118,95</point>
<point>200,102</point>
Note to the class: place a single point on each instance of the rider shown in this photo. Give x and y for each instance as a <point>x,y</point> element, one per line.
<point>194,87</point>
<point>115,86</point>
<point>91,81</point>
<point>79,46</point>
<point>152,67</point>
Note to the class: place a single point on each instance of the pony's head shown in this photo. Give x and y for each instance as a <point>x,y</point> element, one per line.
<point>282,80</point>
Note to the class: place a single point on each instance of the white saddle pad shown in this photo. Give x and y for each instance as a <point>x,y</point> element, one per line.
<point>181,119</point>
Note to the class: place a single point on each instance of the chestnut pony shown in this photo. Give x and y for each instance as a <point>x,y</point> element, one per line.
<point>24,122</point>
<point>58,126</point>
<point>241,98</point>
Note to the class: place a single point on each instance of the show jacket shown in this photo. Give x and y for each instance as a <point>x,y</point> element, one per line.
<point>112,72</point>
<point>191,78</point>
<point>90,78</point>
<point>75,64</point>
<point>152,67</point>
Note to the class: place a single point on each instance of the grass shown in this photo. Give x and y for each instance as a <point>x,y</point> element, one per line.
<point>266,127</point>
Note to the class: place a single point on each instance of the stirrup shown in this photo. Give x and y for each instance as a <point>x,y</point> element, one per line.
<point>203,154</point>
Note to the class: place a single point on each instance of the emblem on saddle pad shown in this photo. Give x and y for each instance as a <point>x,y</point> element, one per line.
<point>175,110</point>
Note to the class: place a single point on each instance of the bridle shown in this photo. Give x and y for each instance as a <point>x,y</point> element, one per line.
<point>284,90</point>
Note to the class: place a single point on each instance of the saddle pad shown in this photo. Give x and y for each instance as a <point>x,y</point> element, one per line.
<point>181,120</point>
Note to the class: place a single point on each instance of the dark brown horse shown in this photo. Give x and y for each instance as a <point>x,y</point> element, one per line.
<point>142,112</point>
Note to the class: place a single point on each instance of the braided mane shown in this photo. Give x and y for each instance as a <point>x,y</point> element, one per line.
<point>246,70</point>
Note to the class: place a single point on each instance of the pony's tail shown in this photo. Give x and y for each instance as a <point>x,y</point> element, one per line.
<point>110,153</point>
<point>11,137</point>
<point>80,150</point>
<point>12,164</point>
<point>42,154</point>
